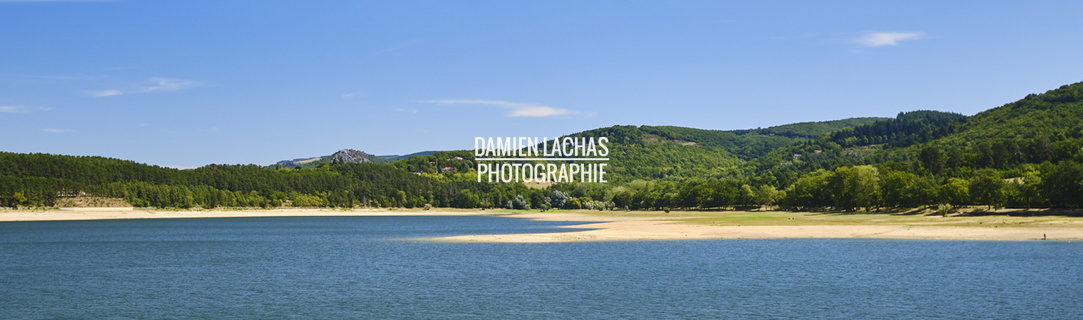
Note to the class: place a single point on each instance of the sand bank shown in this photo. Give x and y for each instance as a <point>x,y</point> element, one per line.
<point>624,228</point>
<point>633,226</point>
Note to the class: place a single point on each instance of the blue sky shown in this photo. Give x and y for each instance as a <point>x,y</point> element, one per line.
<point>189,83</point>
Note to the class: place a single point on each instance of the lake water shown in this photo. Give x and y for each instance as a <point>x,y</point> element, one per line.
<point>356,268</point>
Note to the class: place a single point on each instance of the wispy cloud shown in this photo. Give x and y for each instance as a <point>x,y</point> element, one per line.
<point>410,110</point>
<point>354,94</point>
<point>877,39</point>
<point>105,93</point>
<point>21,109</point>
<point>52,130</point>
<point>12,109</point>
<point>168,84</point>
<point>518,109</point>
<point>68,77</point>
<point>152,85</point>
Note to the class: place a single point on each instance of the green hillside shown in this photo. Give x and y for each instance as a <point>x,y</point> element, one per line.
<point>862,144</point>
<point>678,153</point>
<point>1023,154</point>
<point>754,143</point>
<point>1037,128</point>
<point>811,130</point>
<point>36,180</point>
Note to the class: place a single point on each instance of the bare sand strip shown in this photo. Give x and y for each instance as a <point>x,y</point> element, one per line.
<point>647,228</point>
<point>130,213</point>
<point>633,226</point>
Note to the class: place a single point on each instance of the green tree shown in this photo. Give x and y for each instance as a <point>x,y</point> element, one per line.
<point>1024,190</point>
<point>20,199</point>
<point>306,200</point>
<point>810,191</point>
<point>926,190</point>
<point>1062,183</point>
<point>933,159</point>
<point>987,188</point>
<point>856,187</point>
<point>900,189</point>
<point>767,195</point>
<point>559,199</point>
<point>955,191</point>
<point>520,202</point>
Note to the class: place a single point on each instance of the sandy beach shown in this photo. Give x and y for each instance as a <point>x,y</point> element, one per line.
<point>633,226</point>
<point>637,227</point>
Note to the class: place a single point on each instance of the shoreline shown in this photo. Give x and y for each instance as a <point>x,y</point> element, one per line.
<point>652,226</point>
<point>677,227</point>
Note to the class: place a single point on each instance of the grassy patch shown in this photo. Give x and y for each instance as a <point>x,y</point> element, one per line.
<point>739,218</point>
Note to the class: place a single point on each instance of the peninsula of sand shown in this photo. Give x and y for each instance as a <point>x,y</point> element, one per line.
<point>653,225</point>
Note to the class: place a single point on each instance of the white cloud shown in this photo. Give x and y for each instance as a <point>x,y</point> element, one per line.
<point>168,84</point>
<point>69,77</point>
<point>538,111</point>
<point>877,39</point>
<point>51,130</point>
<point>19,109</point>
<point>12,109</point>
<point>411,110</point>
<point>518,109</point>
<point>105,93</point>
<point>156,84</point>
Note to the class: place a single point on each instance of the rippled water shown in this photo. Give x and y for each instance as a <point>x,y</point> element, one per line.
<point>353,267</point>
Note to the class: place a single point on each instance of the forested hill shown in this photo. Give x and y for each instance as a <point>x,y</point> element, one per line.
<point>678,153</point>
<point>1022,154</point>
<point>862,144</point>
<point>906,129</point>
<point>744,144</point>
<point>41,179</point>
<point>811,130</point>
<point>1037,128</point>
<point>646,152</point>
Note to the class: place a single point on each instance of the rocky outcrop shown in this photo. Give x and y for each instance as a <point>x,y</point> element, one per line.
<point>350,156</point>
<point>342,156</point>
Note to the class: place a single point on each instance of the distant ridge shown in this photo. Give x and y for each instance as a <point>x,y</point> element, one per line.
<point>664,149</point>
<point>400,157</point>
<point>811,129</point>
<point>341,156</point>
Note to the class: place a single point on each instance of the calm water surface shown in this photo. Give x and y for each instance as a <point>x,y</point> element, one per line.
<point>354,268</point>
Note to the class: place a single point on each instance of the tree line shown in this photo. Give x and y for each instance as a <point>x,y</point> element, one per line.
<point>845,188</point>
